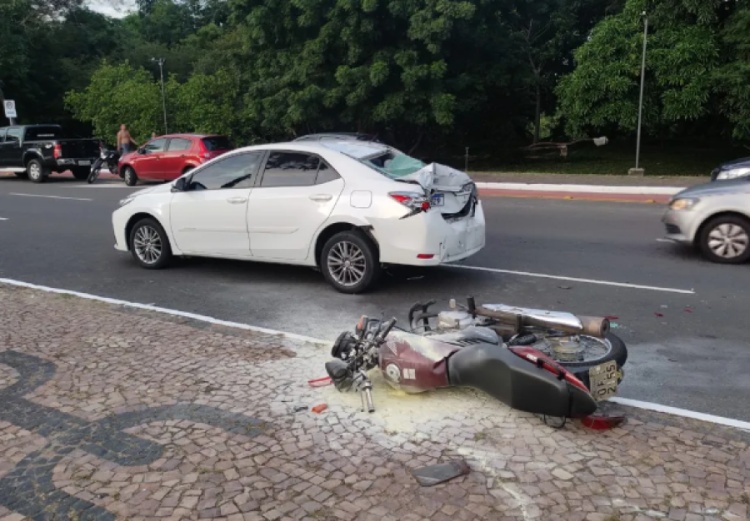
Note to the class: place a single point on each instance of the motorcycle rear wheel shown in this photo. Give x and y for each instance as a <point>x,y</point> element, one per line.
<point>611,348</point>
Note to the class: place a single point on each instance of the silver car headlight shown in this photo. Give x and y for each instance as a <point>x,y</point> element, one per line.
<point>684,203</point>
<point>734,173</point>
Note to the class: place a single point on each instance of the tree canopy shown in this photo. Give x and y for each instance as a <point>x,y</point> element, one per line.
<point>436,73</point>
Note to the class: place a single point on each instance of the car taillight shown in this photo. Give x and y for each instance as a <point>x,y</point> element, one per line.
<point>57,151</point>
<point>412,200</point>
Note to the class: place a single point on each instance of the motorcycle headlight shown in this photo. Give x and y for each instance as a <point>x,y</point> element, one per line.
<point>734,173</point>
<point>685,203</point>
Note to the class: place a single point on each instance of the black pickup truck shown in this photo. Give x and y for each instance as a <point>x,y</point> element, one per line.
<point>36,151</point>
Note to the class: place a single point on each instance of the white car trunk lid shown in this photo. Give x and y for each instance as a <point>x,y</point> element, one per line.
<point>449,189</point>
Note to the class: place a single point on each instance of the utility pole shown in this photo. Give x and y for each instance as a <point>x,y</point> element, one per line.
<point>637,170</point>
<point>2,102</point>
<point>161,61</point>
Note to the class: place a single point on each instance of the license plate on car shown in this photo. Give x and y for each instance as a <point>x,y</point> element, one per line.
<point>438,199</point>
<point>603,379</point>
<point>84,163</point>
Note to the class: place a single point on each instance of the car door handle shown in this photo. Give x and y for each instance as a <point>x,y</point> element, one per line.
<point>237,200</point>
<point>321,197</point>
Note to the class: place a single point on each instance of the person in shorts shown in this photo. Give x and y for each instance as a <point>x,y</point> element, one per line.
<point>125,141</point>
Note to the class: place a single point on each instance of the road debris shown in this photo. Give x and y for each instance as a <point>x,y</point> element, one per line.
<point>435,474</point>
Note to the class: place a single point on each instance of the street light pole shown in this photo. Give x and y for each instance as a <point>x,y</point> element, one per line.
<point>161,61</point>
<point>638,170</point>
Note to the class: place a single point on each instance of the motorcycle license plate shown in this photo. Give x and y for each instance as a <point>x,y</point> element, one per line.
<point>438,199</point>
<point>84,163</point>
<point>603,379</point>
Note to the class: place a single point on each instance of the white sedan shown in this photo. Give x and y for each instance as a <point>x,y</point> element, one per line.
<point>348,208</point>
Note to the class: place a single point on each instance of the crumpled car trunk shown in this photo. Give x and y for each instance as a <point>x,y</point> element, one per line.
<point>451,191</point>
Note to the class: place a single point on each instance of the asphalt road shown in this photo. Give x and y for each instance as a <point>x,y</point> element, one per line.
<point>683,321</point>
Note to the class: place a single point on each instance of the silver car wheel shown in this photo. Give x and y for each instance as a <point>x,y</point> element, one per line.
<point>35,171</point>
<point>147,244</point>
<point>728,241</point>
<point>347,263</point>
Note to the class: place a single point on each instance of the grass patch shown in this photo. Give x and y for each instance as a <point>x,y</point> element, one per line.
<point>616,159</point>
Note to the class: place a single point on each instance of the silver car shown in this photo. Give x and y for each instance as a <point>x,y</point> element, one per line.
<point>713,217</point>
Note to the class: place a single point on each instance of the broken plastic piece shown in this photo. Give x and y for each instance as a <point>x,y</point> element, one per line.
<point>602,423</point>
<point>320,382</point>
<point>436,474</point>
<point>611,317</point>
<point>319,408</point>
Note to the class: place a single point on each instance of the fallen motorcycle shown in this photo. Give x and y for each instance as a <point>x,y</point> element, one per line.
<point>583,345</point>
<point>492,348</point>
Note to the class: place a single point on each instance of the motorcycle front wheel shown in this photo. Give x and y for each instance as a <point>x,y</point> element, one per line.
<point>94,174</point>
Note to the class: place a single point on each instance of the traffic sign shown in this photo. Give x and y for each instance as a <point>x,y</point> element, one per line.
<point>10,108</point>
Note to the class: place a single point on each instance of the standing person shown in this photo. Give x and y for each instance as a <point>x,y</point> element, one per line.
<point>153,135</point>
<point>124,140</point>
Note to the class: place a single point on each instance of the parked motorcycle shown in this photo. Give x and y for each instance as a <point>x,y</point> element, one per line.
<point>465,349</point>
<point>107,156</point>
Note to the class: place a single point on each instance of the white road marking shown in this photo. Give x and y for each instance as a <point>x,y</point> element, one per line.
<point>3,218</point>
<point>675,411</point>
<point>575,279</point>
<point>660,239</point>
<point>52,197</point>
<point>709,418</point>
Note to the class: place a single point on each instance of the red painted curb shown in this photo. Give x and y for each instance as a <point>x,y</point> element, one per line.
<point>577,196</point>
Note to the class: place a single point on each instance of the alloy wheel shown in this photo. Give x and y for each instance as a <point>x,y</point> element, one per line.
<point>147,244</point>
<point>347,263</point>
<point>728,241</point>
<point>35,171</point>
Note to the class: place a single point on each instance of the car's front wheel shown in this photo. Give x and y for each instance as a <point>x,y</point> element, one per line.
<point>726,240</point>
<point>149,244</point>
<point>349,262</point>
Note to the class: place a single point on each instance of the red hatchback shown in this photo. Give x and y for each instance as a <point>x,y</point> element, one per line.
<point>166,158</point>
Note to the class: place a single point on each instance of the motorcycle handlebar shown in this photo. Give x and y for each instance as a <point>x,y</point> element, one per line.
<point>593,326</point>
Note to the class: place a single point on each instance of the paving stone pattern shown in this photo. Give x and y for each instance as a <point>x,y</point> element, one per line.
<point>108,413</point>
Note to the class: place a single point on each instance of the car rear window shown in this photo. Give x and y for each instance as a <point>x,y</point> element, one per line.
<point>39,133</point>
<point>394,164</point>
<point>217,143</point>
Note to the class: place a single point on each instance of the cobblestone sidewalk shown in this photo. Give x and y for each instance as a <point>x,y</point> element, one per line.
<point>108,413</point>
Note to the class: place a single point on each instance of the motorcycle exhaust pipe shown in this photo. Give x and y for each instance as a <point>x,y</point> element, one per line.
<point>580,325</point>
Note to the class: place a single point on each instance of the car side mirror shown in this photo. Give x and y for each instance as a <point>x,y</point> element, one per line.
<point>181,185</point>
<point>142,150</point>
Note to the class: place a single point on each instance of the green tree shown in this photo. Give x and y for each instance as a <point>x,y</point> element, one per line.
<point>684,57</point>
<point>119,94</point>
<point>207,103</point>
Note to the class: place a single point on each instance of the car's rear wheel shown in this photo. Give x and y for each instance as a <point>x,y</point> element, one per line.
<point>131,179</point>
<point>726,240</point>
<point>149,244</point>
<point>349,262</point>
<point>36,171</point>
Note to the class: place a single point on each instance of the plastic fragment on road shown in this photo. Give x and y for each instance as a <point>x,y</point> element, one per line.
<point>656,313</point>
<point>320,382</point>
<point>611,317</point>
<point>317,409</point>
<point>435,474</point>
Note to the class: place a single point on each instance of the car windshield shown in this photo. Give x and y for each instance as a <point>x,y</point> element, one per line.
<point>216,143</point>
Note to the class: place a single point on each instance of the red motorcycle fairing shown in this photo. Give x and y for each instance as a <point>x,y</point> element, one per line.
<point>413,363</point>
